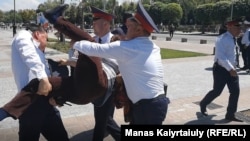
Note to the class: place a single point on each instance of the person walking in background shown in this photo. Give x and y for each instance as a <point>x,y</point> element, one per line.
<point>29,62</point>
<point>224,70</point>
<point>140,65</point>
<point>171,30</point>
<point>243,51</point>
<point>246,42</point>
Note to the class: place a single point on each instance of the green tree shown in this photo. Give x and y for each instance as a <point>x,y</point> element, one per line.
<point>1,16</point>
<point>171,13</point>
<point>71,14</point>
<point>27,15</point>
<point>10,17</point>
<point>154,11</point>
<point>221,11</point>
<point>241,8</point>
<point>203,14</point>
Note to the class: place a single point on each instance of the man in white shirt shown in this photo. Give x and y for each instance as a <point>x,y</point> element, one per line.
<point>224,70</point>
<point>28,62</point>
<point>140,64</point>
<point>104,106</point>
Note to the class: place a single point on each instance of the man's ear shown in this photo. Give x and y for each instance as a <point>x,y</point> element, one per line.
<point>36,34</point>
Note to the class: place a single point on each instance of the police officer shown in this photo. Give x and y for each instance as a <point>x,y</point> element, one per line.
<point>224,70</point>
<point>140,65</point>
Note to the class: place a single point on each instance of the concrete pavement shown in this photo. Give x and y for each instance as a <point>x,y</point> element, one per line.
<point>189,79</point>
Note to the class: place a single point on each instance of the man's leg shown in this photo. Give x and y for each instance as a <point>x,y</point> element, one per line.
<point>104,121</point>
<point>41,117</point>
<point>16,107</point>
<point>53,129</point>
<point>22,100</point>
<point>72,31</point>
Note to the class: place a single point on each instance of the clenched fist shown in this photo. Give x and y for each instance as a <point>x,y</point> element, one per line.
<point>44,87</point>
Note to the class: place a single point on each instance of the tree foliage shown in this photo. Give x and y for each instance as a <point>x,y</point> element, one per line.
<point>185,12</point>
<point>171,13</point>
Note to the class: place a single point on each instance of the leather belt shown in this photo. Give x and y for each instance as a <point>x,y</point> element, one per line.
<point>216,64</point>
<point>149,100</point>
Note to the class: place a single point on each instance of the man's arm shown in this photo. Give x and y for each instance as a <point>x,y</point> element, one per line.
<point>30,56</point>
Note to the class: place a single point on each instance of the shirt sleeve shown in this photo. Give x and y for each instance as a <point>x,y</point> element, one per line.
<point>224,48</point>
<point>30,56</point>
<point>108,50</point>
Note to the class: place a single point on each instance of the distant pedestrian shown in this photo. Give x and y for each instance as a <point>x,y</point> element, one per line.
<point>224,71</point>
<point>243,51</point>
<point>171,30</point>
<point>246,41</point>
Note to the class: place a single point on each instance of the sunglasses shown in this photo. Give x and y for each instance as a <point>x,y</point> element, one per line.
<point>96,18</point>
<point>134,20</point>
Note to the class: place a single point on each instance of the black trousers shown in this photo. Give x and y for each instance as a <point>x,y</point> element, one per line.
<point>104,121</point>
<point>150,111</point>
<point>221,78</point>
<point>41,118</point>
<point>248,56</point>
<point>244,56</point>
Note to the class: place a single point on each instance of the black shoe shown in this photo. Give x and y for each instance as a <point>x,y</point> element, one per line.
<point>203,110</point>
<point>248,71</point>
<point>52,14</point>
<point>243,68</point>
<point>3,114</point>
<point>233,119</point>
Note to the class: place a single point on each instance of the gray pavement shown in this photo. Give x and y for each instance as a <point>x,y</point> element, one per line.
<point>189,79</point>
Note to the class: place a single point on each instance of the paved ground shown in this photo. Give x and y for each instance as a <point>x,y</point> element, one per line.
<point>189,79</point>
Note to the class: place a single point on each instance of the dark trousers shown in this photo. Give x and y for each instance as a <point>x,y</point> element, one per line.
<point>171,33</point>
<point>104,121</point>
<point>221,78</point>
<point>42,118</point>
<point>150,111</point>
<point>244,56</point>
<point>248,57</point>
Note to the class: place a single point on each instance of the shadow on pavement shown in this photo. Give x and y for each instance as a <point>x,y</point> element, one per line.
<point>205,120</point>
<point>86,135</point>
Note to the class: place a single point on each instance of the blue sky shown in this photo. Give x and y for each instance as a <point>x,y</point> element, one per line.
<point>6,5</point>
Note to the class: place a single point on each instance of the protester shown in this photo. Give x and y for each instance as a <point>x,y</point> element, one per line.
<point>171,30</point>
<point>140,65</point>
<point>224,70</point>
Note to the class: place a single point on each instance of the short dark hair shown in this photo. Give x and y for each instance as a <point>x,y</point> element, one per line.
<point>126,15</point>
<point>35,27</point>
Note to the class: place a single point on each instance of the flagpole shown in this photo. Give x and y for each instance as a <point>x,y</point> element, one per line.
<point>232,8</point>
<point>14,23</point>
